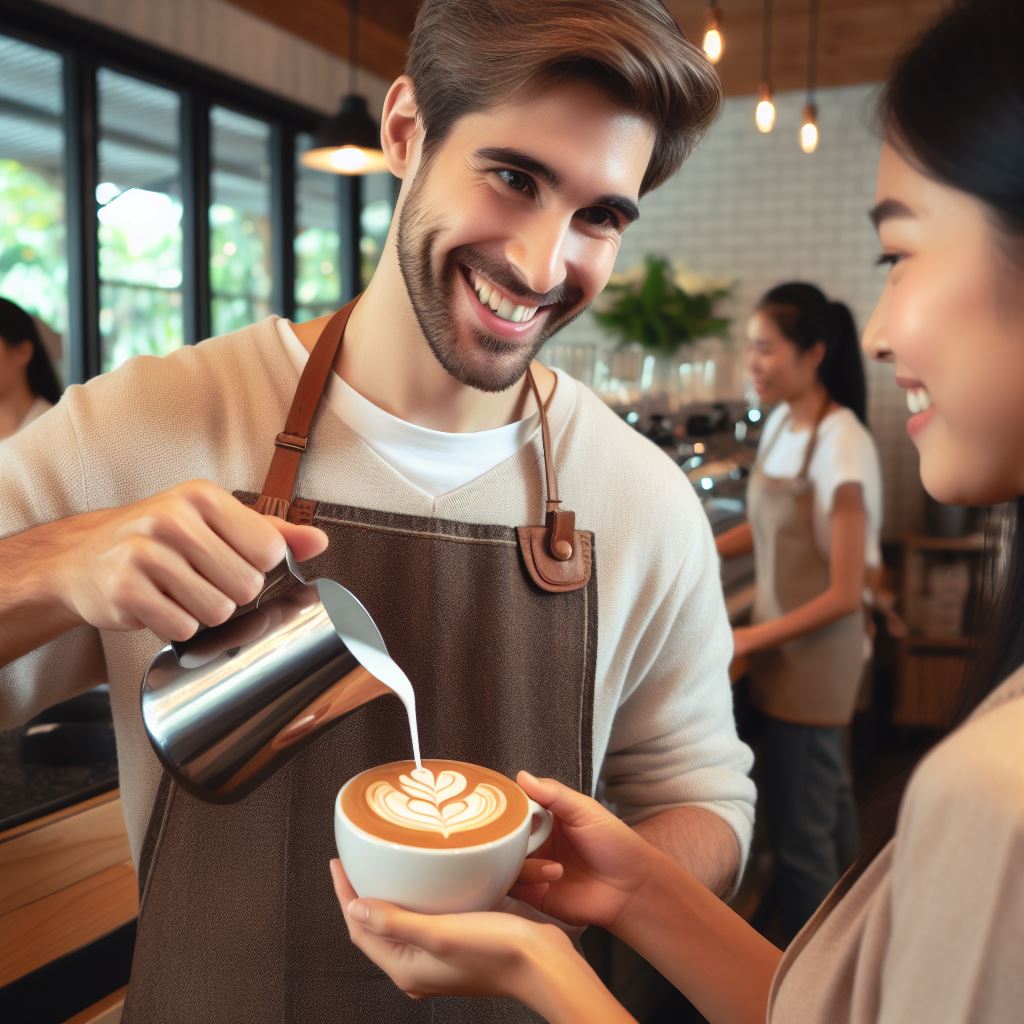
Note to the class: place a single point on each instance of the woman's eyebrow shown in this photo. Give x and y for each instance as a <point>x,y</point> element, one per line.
<point>889,209</point>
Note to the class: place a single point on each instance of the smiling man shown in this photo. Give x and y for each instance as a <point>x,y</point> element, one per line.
<point>544,575</point>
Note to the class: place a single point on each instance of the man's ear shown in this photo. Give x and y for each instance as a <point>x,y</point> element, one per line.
<point>400,128</point>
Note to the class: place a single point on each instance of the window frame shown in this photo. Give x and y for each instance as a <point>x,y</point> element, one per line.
<point>85,47</point>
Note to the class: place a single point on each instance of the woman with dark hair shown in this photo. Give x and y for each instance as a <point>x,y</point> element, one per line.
<point>928,925</point>
<point>814,507</point>
<point>28,384</point>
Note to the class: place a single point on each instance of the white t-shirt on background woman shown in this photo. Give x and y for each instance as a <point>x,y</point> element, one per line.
<point>845,453</point>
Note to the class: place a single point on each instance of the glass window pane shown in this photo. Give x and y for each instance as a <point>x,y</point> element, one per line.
<point>138,201</point>
<point>378,205</point>
<point>317,239</point>
<point>33,246</point>
<point>240,243</point>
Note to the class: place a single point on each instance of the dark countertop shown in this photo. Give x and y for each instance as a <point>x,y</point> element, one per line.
<point>31,790</point>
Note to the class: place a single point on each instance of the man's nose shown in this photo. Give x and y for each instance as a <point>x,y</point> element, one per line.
<point>538,253</point>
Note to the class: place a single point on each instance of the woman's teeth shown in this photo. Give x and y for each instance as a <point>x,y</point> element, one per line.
<point>498,304</point>
<point>918,400</point>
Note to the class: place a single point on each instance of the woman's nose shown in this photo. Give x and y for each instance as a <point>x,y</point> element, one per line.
<point>873,341</point>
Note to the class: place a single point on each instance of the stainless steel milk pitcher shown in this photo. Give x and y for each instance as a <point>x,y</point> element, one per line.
<point>225,709</point>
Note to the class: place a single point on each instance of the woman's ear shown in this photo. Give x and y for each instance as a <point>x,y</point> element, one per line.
<point>816,353</point>
<point>24,351</point>
<point>400,128</point>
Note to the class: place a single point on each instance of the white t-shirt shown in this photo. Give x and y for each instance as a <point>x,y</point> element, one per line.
<point>845,453</point>
<point>435,461</point>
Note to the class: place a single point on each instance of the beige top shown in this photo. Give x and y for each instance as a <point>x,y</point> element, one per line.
<point>933,931</point>
<point>663,729</point>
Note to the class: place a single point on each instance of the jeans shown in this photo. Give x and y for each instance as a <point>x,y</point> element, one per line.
<point>810,817</point>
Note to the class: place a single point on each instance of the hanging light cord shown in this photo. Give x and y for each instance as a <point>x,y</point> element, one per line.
<point>353,37</point>
<point>812,51</point>
<point>766,55</point>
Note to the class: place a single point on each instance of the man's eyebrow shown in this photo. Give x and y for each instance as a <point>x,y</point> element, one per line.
<point>888,209</point>
<point>525,162</point>
<point>625,207</point>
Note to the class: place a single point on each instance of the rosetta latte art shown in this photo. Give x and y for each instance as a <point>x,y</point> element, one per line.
<point>441,805</point>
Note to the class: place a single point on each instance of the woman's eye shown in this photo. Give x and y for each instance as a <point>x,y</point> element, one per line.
<point>516,180</point>
<point>888,259</point>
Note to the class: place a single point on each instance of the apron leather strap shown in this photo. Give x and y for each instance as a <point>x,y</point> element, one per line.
<point>558,557</point>
<point>290,444</point>
<point>813,442</point>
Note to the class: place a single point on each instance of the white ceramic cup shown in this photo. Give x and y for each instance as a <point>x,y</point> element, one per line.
<point>436,881</point>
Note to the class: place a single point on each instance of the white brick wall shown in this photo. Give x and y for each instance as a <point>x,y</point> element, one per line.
<point>756,208</point>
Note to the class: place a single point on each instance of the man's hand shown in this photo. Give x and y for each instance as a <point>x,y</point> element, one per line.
<point>187,556</point>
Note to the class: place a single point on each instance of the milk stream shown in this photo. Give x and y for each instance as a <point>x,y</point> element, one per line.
<point>369,650</point>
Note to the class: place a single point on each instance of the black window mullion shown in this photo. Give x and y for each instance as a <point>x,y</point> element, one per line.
<point>195,136</point>
<point>81,132</point>
<point>282,218</point>
<point>350,203</point>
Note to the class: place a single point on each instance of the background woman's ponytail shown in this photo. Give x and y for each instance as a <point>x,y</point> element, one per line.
<point>805,316</point>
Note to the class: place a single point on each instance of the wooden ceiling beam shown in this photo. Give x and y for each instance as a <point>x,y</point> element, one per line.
<point>858,39</point>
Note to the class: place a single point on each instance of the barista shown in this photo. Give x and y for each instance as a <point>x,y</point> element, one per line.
<point>476,532</point>
<point>814,506</point>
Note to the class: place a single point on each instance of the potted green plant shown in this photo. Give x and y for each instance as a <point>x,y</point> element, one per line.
<point>662,307</point>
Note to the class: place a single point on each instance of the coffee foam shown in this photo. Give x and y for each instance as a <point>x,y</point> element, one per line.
<point>443,805</point>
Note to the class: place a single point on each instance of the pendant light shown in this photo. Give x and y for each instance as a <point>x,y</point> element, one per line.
<point>349,142</point>
<point>714,41</point>
<point>809,128</point>
<point>764,114</point>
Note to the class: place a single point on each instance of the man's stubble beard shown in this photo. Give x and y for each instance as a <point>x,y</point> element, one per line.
<point>432,303</point>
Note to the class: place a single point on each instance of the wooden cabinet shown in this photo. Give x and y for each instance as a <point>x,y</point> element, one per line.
<point>938,586</point>
<point>66,880</point>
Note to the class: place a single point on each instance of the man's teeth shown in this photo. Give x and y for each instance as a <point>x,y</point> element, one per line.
<point>918,400</point>
<point>499,305</point>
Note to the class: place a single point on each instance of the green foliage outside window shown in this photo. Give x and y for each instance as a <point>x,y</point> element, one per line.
<point>33,262</point>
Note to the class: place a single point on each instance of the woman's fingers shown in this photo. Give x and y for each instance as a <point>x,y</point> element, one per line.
<point>536,871</point>
<point>566,804</point>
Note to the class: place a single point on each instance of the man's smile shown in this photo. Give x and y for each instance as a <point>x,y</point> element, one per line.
<point>500,304</point>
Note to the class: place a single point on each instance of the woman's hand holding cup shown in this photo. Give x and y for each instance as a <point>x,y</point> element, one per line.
<point>592,867</point>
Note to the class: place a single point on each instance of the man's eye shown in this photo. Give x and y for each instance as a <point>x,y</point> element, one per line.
<point>516,180</point>
<point>599,217</point>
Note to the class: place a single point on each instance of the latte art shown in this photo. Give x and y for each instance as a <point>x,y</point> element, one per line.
<point>441,804</point>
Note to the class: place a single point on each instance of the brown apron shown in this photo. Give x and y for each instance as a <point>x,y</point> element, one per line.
<point>498,634</point>
<point>812,680</point>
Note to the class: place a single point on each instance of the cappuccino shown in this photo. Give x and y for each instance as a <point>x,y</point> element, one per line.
<point>438,805</point>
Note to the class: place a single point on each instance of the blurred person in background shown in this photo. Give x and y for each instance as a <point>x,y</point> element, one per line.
<point>814,507</point>
<point>28,382</point>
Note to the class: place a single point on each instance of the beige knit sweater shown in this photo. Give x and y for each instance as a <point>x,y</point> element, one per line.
<point>933,931</point>
<point>663,724</point>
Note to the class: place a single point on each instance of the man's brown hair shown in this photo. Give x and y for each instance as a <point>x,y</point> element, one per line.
<point>468,55</point>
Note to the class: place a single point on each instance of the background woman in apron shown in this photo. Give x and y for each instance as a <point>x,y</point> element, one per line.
<point>927,925</point>
<point>814,507</point>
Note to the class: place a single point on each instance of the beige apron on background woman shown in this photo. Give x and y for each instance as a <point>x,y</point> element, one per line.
<point>238,919</point>
<point>814,679</point>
